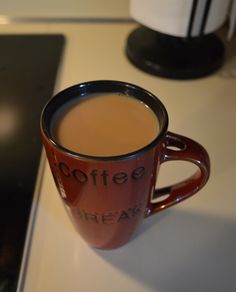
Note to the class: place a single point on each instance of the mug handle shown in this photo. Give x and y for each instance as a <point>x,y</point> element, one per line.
<point>187,150</point>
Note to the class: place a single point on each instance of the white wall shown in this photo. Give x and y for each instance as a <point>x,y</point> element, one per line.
<point>65,8</point>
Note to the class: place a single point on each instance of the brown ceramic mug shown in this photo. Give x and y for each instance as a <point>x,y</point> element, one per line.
<point>106,212</point>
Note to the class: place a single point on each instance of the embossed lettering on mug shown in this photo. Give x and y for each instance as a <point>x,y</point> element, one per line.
<point>105,125</point>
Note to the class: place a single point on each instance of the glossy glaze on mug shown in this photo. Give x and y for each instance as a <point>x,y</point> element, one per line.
<point>108,197</point>
<point>105,200</point>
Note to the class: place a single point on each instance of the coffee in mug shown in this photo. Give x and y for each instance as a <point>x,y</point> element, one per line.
<point>105,125</point>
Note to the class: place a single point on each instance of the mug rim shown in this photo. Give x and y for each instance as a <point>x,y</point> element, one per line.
<point>103,86</point>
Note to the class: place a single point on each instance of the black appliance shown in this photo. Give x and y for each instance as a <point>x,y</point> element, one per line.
<point>28,69</point>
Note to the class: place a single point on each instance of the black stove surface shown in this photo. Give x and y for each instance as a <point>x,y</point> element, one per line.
<point>28,68</point>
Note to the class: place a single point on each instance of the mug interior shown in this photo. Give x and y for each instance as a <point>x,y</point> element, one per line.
<point>103,87</point>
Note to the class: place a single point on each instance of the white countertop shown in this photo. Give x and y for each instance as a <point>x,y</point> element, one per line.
<point>189,247</point>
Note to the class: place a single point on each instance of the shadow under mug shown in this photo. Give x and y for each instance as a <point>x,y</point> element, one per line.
<point>108,197</point>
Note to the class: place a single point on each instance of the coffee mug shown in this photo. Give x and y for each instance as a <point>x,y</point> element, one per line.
<point>108,196</point>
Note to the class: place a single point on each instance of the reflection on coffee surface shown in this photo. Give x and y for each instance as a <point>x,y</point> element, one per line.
<point>105,125</point>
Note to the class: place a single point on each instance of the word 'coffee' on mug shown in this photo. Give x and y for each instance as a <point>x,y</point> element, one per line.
<point>104,177</point>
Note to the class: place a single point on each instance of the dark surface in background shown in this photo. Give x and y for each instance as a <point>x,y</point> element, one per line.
<point>28,67</point>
